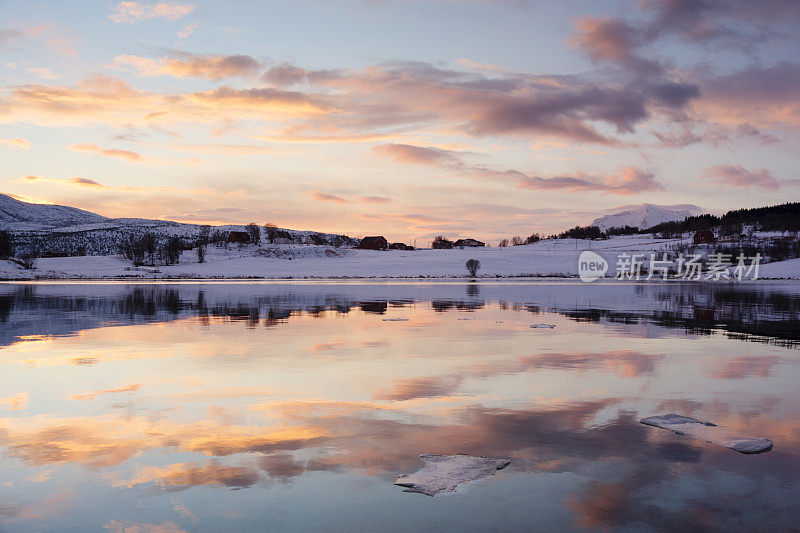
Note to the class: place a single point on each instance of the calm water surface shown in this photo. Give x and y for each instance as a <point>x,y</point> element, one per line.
<point>294,406</point>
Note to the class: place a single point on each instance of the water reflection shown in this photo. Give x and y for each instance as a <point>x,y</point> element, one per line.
<point>147,404</point>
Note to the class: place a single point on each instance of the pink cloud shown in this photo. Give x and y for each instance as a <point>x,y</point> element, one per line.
<point>128,12</point>
<point>738,176</point>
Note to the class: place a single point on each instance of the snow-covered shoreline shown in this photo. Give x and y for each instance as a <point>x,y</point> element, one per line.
<point>544,259</point>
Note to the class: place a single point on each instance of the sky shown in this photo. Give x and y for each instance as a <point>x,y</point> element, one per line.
<point>405,118</point>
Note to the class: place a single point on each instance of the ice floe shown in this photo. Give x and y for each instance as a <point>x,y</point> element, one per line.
<point>712,433</point>
<point>442,473</point>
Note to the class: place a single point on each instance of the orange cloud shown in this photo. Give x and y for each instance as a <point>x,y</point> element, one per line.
<point>185,475</point>
<point>92,395</point>
<point>191,66</point>
<point>16,402</point>
<point>108,152</point>
<point>18,142</point>
<point>112,101</point>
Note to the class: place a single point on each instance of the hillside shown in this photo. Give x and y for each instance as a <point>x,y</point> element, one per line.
<point>783,217</point>
<point>15,214</point>
<point>646,216</point>
<point>57,230</point>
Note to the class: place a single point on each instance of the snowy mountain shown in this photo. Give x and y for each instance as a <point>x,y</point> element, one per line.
<point>646,215</point>
<point>13,212</point>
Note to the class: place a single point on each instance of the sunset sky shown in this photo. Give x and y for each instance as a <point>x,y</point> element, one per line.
<point>403,118</point>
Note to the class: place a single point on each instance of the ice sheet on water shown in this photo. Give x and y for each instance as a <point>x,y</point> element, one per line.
<point>712,433</point>
<point>444,472</point>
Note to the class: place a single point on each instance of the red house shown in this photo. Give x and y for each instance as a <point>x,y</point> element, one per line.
<point>704,236</point>
<point>377,242</point>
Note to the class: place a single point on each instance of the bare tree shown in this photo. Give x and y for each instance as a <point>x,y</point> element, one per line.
<point>201,253</point>
<point>205,235</point>
<point>271,231</point>
<point>440,243</point>
<point>6,245</point>
<point>472,266</point>
<point>255,233</point>
<point>139,249</point>
<point>28,258</point>
<point>516,240</point>
<point>503,243</point>
<point>171,252</point>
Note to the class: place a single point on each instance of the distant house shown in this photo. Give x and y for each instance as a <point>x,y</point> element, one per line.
<point>397,246</point>
<point>377,242</point>
<point>704,236</point>
<point>470,243</point>
<point>241,237</point>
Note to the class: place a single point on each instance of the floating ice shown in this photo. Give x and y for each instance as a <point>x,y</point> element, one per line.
<point>444,472</point>
<point>547,326</point>
<point>712,433</point>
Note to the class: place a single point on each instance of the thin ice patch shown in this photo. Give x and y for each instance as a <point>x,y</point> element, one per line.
<point>708,432</point>
<point>443,473</point>
<point>543,326</point>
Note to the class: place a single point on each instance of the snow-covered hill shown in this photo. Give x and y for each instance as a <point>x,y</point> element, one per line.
<point>59,230</point>
<point>16,213</point>
<point>646,215</point>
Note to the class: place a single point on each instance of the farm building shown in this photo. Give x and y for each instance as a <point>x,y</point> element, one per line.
<point>470,243</point>
<point>397,246</point>
<point>377,242</point>
<point>241,237</point>
<point>704,236</point>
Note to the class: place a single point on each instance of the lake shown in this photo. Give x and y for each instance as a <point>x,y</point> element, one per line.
<point>294,406</point>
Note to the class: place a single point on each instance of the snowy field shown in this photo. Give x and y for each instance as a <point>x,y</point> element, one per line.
<point>545,258</point>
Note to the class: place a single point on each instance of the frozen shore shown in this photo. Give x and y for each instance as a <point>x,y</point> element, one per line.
<point>550,258</point>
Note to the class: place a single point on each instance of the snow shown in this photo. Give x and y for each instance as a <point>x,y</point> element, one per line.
<point>552,257</point>
<point>789,269</point>
<point>711,433</point>
<point>646,216</point>
<point>444,472</point>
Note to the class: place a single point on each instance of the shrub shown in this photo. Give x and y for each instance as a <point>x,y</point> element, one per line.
<point>503,243</point>
<point>516,240</point>
<point>201,253</point>
<point>535,237</point>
